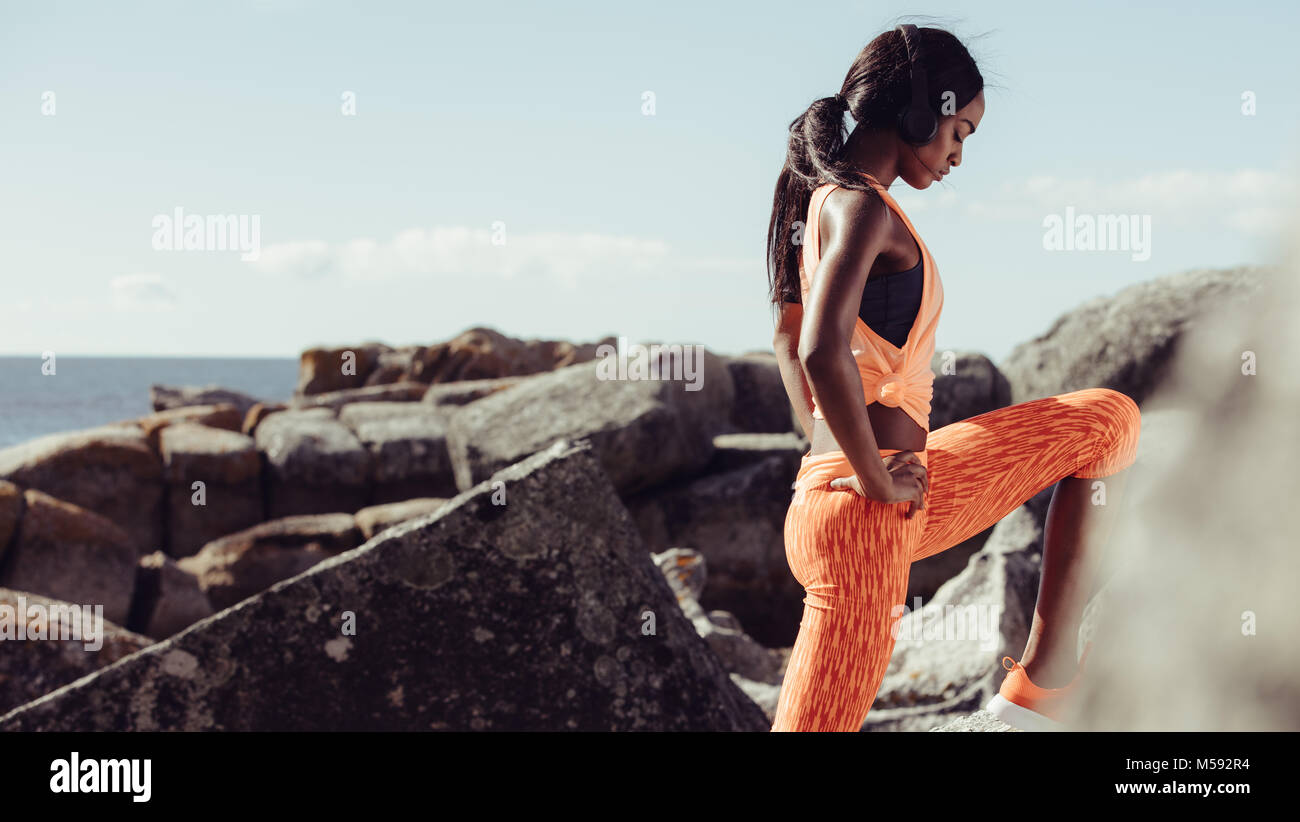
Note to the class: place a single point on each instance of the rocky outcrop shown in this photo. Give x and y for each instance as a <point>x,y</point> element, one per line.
<point>164,397</point>
<point>226,417</point>
<point>336,400</point>
<point>314,464</point>
<point>110,470</point>
<point>11,511</point>
<point>167,599</point>
<point>62,643</point>
<point>63,551</point>
<point>230,498</point>
<point>407,442</point>
<point>966,384</point>
<point>734,516</point>
<point>240,565</point>
<point>644,431</point>
<point>466,391</point>
<point>761,405</point>
<point>542,613</point>
<point>1124,341</point>
<point>475,354</point>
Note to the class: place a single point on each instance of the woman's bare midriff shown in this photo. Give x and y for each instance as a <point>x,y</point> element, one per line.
<point>892,427</point>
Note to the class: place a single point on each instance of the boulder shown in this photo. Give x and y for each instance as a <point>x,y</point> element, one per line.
<point>230,468</point>
<point>762,405</point>
<point>32,668</point>
<point>376,518</point>
<point>397,392</point>
<point>321,370</point>
<point>1127,340</point>
<point>966,384</point>
<point>644,430</point>
<point>314,464</point>
<point>66,552</point>
<point>240,565</point>
<point>736,519</point>
<point>11,511</point>
<point>110,470</point>
<point>226,417</point>
<point>408,445</point>
<point>258,413</point>
<point>393,365</point>
<point>466,391</point>
<point>164,397</point>
<point>545,613</point>
<point>167,600</point>
<point>483,353</point>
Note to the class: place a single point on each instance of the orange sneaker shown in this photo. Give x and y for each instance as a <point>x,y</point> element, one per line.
<point>1022,704</point>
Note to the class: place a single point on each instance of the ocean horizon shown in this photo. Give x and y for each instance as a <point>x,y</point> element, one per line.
<point>88,391</point>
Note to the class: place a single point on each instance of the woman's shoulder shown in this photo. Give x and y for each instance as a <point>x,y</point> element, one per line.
<point>855,211</point>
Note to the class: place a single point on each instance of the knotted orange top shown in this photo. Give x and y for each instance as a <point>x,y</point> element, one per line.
<point>898,377</point>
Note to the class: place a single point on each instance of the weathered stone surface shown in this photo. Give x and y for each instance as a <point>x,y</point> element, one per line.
<point>258,413</point>
<point>230,468</point>
<point>392,365</point>
<point>164,397</point>
<point>408,445</point>
<point>240,565</point>
<point>225,416</point>
<point>314,464</point>
<point>376,518</point>
<point>966,384</point>
<point>946,656</point>
<point>484,353</point>
<point>524,616</point>
<point>321,370</point>
<point>981,720</point>
<point>396,393</point>
<point>466,391</point>
<point>11,511</point>
<point>736,520</point>
<point>1127,340</point>
<point>110,470</point>
<point>33,667</point>
<point>167,599</point>
<point>762,405</point>
<point>644,431</point>
<point>732,451</point>
<point>66,552</point>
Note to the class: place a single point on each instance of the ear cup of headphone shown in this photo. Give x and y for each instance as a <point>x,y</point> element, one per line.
<point>917,125</point>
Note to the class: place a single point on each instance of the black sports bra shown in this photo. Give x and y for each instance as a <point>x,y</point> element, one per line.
<point>890,302</point>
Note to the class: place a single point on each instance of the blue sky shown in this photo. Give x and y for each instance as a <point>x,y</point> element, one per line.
<point>524,121</point>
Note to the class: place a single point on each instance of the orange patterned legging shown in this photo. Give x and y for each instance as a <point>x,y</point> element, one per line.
<point>852,555</point>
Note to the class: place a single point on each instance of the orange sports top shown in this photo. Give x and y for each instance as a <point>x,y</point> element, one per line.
<point>898,377</point>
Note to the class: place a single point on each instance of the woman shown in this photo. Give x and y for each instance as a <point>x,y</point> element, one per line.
<point>860,298</point>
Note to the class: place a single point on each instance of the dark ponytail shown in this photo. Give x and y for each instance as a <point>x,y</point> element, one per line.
<point>876,88</point>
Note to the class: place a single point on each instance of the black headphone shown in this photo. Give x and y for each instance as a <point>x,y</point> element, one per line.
<point>917,124</point>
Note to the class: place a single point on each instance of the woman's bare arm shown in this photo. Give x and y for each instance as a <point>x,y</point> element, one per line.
<point>829,317</point>
<point>786,345</point>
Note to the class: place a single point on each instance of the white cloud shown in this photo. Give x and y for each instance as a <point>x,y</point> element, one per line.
<point>461,252</point>
<point>141,292</point>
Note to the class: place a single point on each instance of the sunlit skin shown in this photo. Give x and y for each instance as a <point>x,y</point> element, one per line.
<point>862,238</point>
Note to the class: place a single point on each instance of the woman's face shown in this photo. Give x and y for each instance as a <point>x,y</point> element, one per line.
<point>923,165</point>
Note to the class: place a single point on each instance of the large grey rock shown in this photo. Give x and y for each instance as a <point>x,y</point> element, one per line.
<point>966,384</point>
<point>110,470</point>
<point>761,405</point>
<point>531,615</point>
<point>240,565</point>
<point>322,370</point>
<point>230,468</point>
<point>408,445</point>
<point>73,645</point>
<point>947,655</point>
<point>398,392</point>
<point>314,464</point>
<point>11,511</point>
<point>66,552</point>
<point>1124,341</point>
<point>466,391</point>
<point>644,430</point>
<point>979,721</point>
<point>736,520</point>
<point>164,397</point>
<point>167,598</point>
